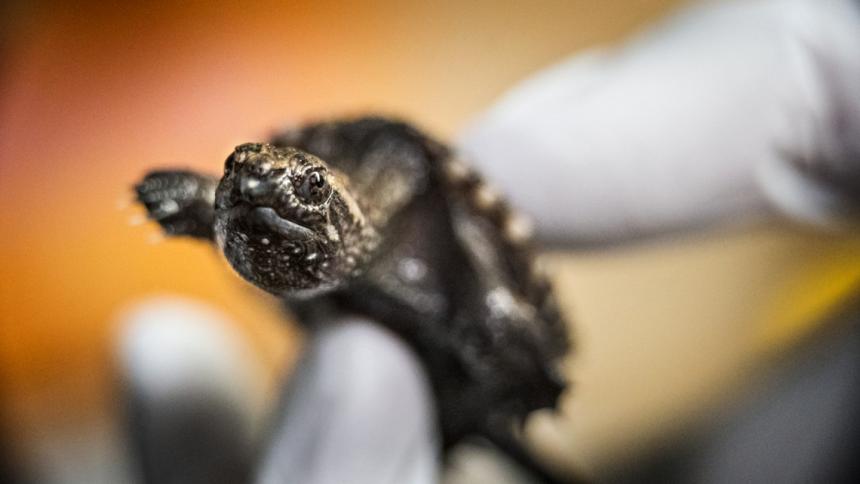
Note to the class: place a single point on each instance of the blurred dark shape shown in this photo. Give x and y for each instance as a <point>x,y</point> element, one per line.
<point>187,441</point>
<point>800,424</point>
<point>6,468</point>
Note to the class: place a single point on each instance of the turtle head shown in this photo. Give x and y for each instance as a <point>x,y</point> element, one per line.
<point>287,222</point>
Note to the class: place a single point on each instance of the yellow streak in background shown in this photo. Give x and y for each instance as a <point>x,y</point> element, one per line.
<point>809,299</point>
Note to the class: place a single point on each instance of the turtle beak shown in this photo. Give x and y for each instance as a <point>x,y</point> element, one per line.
<point>284,227</point>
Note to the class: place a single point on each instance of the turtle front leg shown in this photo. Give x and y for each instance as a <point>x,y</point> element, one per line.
<point>181,201</point>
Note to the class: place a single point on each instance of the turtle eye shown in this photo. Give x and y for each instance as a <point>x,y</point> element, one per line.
<point>314,187</point>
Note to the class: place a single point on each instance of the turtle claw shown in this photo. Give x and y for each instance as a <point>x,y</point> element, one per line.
<point>124,202</point>
<point>155,238</point>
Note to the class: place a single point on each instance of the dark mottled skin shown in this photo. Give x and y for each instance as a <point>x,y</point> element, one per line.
<point>370,216</point>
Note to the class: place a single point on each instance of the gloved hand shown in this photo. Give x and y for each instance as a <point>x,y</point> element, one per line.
<point>725,112</point>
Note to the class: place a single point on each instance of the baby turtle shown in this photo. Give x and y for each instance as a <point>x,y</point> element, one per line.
<point>370,216</point>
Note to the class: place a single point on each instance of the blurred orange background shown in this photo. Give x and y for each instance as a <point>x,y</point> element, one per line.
<point>91,96</point>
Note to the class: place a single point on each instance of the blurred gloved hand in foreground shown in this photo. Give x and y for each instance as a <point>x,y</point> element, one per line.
<point>725,112</point>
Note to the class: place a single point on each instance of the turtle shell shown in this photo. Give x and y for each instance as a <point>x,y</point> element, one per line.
<point>454,275</point>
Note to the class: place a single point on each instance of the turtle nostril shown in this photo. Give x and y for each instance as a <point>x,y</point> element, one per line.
<point>253,188</point>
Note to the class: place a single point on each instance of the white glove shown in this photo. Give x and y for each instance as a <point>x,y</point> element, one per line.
<point>358,409</point>
<point>720,113</point>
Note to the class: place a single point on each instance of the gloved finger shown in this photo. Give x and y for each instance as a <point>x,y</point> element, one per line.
<point>358,409</point>
<point>681,127</point>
